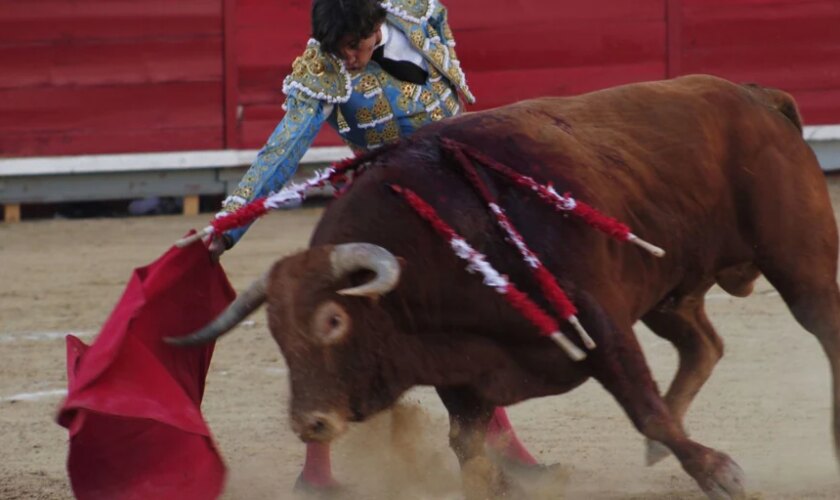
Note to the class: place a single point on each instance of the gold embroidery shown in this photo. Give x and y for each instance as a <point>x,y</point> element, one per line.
<point>437,56</point>
<point>363,116</point>
<point>366,83</point>
<point>404,103</point>
<point>447,32</point>
<point>426,97</point>
<point>407,89</point>
<point>439,87</point>
<point>437,114</point>
<point>451,104</point>
<point>381,109</point>
<point>418,120</point>
<point>373,137</point>
<point>391,132</point>
<point>342,122</point>
<point>417,38</point>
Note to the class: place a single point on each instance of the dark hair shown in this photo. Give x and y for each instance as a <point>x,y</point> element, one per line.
<point>332,20</point>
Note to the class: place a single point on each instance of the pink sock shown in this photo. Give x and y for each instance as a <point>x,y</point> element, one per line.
<point>502,438</point>
<point>317,470</point>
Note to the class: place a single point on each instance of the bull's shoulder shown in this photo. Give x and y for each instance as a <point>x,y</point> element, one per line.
<point>319,75</point>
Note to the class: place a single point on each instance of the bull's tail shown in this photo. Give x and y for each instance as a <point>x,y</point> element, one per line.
<point>778,100</point>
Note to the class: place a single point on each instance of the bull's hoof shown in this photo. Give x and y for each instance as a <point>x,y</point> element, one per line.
<point>328,489</point>
<point>724,479</point>
<point>483,479</point>
<point>656,452</point>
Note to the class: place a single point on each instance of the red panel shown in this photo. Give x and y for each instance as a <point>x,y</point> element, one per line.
<point>63,20</point>
<point>116,114</point>
<point>99,76</point>
<point>790,44</point>
<point>119,62</point>
<point>497,88</point>
<point>561,44</point>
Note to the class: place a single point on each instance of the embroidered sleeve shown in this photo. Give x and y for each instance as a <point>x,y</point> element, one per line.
<point>278,160</point>
<point>439,24</point>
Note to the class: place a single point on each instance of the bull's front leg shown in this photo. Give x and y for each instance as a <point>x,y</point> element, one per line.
<point>619,365</point>
<point>469,415</point>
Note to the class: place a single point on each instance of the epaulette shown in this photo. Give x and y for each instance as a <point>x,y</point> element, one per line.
<point>414,11</point>
<point>319,75</point>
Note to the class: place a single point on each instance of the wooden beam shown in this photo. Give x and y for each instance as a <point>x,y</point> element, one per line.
<point>191,204</point>
<point>11,213</point>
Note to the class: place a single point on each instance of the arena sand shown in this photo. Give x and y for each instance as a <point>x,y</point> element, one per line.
<point>767,404</point>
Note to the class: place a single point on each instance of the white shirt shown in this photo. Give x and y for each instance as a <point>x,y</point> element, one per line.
<point>399,48</point>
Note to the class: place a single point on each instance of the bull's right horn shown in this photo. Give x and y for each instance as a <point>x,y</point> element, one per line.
<point>245,303</point>
<point>350,257</point>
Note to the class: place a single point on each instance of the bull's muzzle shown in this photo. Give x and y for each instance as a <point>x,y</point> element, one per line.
<point>318,426</point>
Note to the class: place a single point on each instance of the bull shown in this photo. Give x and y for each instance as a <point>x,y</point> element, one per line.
<point>716,173</point>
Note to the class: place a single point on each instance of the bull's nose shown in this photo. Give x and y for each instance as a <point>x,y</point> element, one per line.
<point>318,426</point>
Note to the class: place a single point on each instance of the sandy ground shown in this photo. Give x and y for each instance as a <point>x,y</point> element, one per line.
<point>767,404</point>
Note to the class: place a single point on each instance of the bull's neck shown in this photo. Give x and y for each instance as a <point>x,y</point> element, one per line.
<point>448,358</point>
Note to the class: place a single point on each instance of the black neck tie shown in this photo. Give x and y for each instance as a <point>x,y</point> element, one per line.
<point>401,70</point>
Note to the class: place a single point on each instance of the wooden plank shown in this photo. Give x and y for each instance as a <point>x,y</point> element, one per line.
<point>126,107</point>
<point>562,44</point>
<point>72,142</point>
<point>11,213</point>
<point>119,62</point>
<point>68,20</point>
<point>191,205</point>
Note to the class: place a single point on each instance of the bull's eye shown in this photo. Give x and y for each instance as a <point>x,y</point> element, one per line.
<point>330,323</point>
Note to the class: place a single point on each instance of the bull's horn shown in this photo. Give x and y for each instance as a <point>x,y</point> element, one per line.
<point>244,305</point>
<point>351,257</point>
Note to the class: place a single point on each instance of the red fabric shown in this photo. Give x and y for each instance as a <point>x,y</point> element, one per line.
<point>133,404</point>
<point>603,223</point>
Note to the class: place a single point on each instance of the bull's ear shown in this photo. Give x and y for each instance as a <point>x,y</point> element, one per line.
<point>402,262</point>
<point>330,323</point>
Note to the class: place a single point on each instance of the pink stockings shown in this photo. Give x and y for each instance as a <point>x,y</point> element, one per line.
<point>501,438</point>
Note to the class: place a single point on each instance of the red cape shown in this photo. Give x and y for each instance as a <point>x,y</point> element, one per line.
<point>133,403</point>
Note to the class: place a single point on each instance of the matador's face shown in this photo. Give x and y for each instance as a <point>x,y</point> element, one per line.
<point>357,52</point>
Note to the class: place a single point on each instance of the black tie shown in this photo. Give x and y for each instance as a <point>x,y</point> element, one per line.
<point>401,70</point>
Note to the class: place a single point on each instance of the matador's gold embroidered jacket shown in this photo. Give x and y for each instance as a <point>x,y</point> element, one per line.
<point>368,109</point>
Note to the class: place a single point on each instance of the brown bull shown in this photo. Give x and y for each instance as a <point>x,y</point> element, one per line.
<point>715,173</point>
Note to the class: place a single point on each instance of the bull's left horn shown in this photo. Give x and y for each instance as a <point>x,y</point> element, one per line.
<point>351,257</point>
<point>244,304</point>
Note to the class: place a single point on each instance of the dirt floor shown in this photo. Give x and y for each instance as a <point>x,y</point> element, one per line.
<point>767,404</point>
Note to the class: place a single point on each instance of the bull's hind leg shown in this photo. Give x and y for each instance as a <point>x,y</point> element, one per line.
<point>619,365</point>
<point>810,291</point>
<point>797,247</point>
<point>686,326</point>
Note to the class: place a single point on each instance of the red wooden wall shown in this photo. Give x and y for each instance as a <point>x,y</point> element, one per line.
<point>97,76</point>
<point>100,76</point>
<point>790,44</point>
